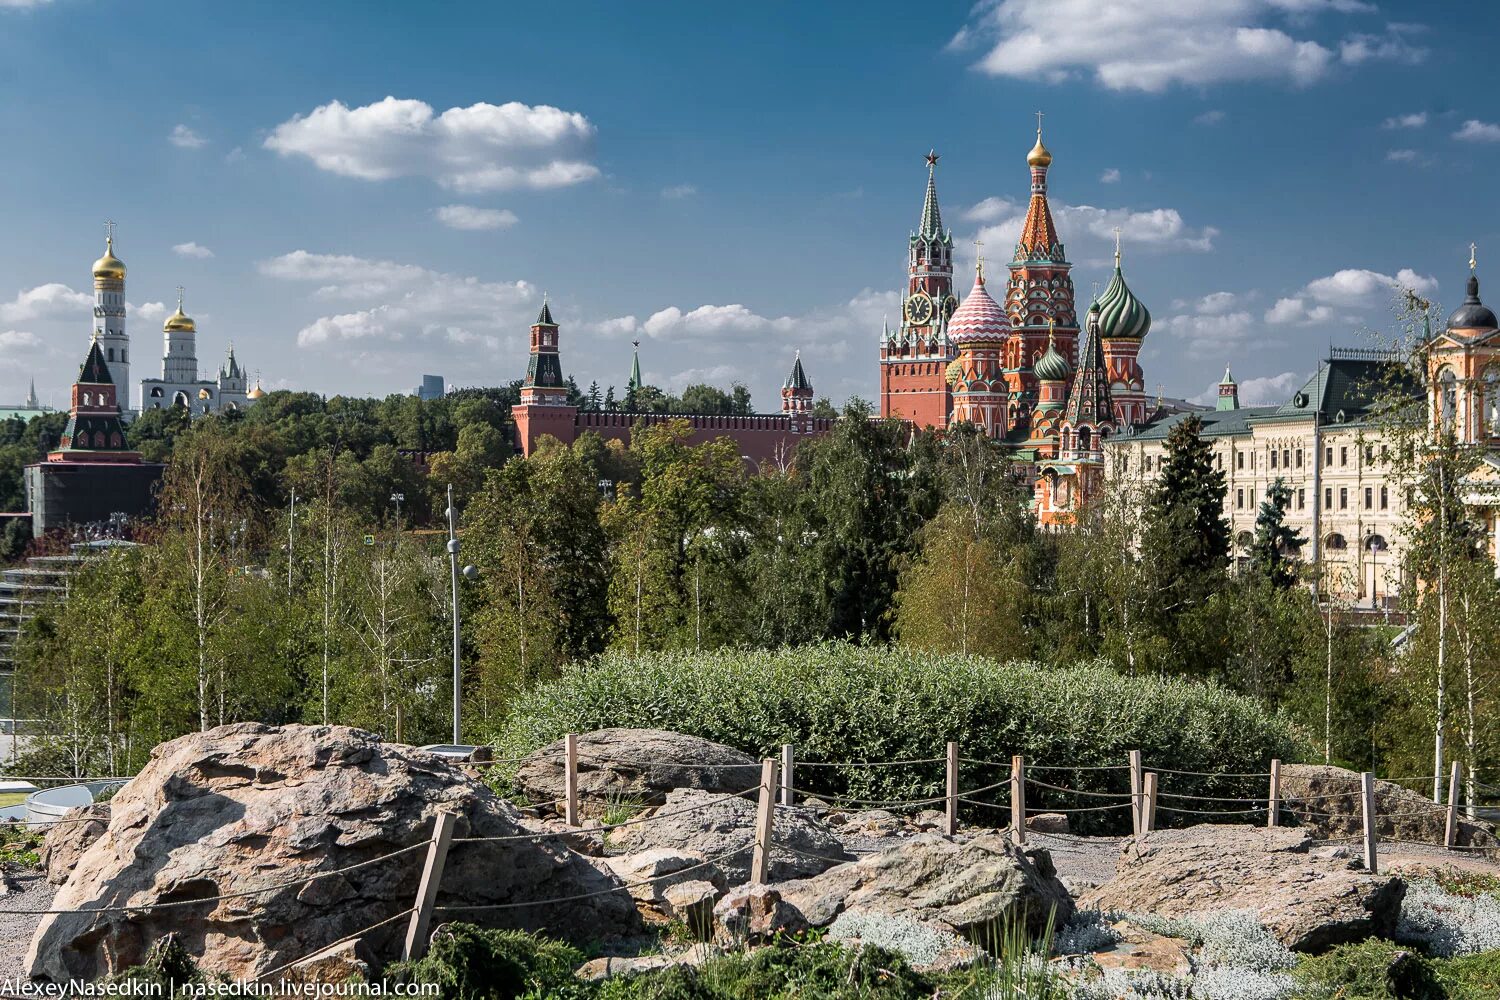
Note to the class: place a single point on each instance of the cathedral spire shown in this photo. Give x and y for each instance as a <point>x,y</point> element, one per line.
<point>932,218</point>
<point>1039,240</point>
<point>635,366</point>
<point>1089,401</point>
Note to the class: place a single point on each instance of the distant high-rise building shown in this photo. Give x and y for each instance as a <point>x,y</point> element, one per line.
<point>431,388</point>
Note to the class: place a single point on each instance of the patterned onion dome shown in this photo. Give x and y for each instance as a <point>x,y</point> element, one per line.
<point>1052,366</point>
<point>1122,316</point>
<point>979,318</point>
<point>953,372</point>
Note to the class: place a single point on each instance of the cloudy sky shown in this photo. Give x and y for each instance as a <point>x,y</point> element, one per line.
<point>357,193</point>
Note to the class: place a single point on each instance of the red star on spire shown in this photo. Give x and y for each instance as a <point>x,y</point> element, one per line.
<point>932,158</point>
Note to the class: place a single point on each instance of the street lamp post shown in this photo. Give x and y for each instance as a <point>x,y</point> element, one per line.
<point>470,573</point>
<point>396,499</point>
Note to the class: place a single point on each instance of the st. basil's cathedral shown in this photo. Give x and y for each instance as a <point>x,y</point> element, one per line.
<point>1018,370</point>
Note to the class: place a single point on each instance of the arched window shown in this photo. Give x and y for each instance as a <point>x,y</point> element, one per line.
<point>1335,542</point>
<point>114,439</point>
<point>88,398</point>
<point>98,439</point>
<point>1243,539</point>
<point>156,392</point>
<point>1447,399</point>
<point>1085,438</point>
<point>1376,543</point>
<point>111,354</point>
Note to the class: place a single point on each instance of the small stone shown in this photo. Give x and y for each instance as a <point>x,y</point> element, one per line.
<point>1049,823</point>
<point>337,964</point>
<point>693,904</point>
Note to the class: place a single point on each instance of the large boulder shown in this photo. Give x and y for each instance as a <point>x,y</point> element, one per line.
<point>639,765</point>
<point>250,807</point>
<point>65,841</point>
<point>969,886</point>
<point>1309,902</point>
<point>723,830</point>
<point>1327,800</point>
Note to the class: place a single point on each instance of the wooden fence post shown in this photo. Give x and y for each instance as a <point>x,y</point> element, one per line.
<point>950,822</point>
<point>1367,810</point>
<point>1148,802</point>
<point>1135,791</point>
<point>1450,831</point>
<point>1273,806</point>
<point>1018,797</point>
<point>765,819</point>
<point>786,774</point>
<point>570,780</point>
<point>432,874</point>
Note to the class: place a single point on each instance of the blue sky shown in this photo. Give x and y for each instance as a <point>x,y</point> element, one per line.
<point>726,184</point>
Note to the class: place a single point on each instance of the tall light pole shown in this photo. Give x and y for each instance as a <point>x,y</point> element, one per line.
<point>470,573</point>
<point>396,499</point>
<point>291,540</point>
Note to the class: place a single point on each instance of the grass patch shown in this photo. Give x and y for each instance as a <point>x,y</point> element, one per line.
<point>12,798</point>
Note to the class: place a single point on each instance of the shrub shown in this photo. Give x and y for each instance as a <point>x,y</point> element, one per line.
<point>845,704</point>
<point>1445,924</point>
<point>1370,970</point>
<point>469,963</point>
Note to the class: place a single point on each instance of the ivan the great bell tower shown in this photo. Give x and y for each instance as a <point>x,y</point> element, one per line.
<point>914,358</point>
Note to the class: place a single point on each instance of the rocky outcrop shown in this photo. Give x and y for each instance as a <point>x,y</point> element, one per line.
<point>1310,903</point>
<point>1327,800</point>
<point>724,832</point>
<point>968,886</point>
<point>65,841</point>
<point>641,765</point>
<point>256,809</point>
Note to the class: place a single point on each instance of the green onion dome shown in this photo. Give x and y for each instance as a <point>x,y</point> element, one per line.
<point>1052,366</point>
<point>1122,316</point>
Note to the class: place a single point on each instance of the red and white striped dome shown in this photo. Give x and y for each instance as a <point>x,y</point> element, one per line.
<point>978,318</point>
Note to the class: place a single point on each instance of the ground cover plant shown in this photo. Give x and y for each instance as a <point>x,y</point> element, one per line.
<point>845,704</point>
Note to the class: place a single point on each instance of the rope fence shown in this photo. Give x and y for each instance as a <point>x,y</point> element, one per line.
<point>1144,801</point>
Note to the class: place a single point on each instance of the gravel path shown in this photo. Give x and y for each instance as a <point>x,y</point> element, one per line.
<point>1081,862</point>
<point>33,893</point>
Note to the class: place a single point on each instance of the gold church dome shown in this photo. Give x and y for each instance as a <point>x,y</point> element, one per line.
<point>109,266</point>
<point>1039,157</point>
<point>179,321</point>
<point>257,392</point>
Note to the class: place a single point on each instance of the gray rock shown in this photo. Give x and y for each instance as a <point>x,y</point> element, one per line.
<point>963,886</point>
<point>651,872</point>
<point>754,914</point>
<point>338,964</point>
<point>66,841</point>
<point>1309,791</point>
<point>693,904</point>
<point>636,764</point>
<point>1049,823</point>
<point>692,821</point>
<point>1309,903</point>
<point>248,806</point>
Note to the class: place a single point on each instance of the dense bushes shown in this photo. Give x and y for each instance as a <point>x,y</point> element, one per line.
<point>848,704</point>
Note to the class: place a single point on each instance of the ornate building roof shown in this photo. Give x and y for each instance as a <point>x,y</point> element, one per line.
<point>797,378</point>
<point>1472,314</point>
<point>1052,366</point>
<point>1122,316</point>
<point>980,317</point>
<point>931,226</point>
<point>1039,239</point>
<point>1088,401</point>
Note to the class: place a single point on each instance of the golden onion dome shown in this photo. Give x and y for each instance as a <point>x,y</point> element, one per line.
<point>256,393</point>
<point>1039,157</point>
<point>204,394</point>
<point>179,322</point>
<point>109,266</point>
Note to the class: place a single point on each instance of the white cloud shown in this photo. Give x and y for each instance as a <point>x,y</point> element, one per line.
<point>185,138</point>
<point>19,340</point>
<point>1401,156</point>
<point>483,147</point>
<point>679,191</point>
<point>403,302</point>
<point>1157,228</point>
<point>1414,120</point>
<point>1217,303</point>
<point>1110,176</point>
<point>1212,117</point>
<point>1359,287</point>
<point>1296,311</point>
<point>149,310</point>
<point>47,301</point>
<point>475,218</point>
<point>22,4</point>
<point>1475,130</point>
<point>1151,46</point>
<point>191,249</point>
<point>1210,335</point>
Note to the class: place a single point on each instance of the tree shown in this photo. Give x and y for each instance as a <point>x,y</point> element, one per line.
<point>1185,542</point>
<point>1275,546</point>
<point>961,593</point>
